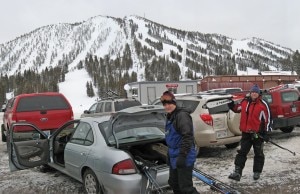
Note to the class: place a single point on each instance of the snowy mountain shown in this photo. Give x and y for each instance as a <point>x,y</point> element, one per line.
<point>150,46</point>
<point>54,45</point>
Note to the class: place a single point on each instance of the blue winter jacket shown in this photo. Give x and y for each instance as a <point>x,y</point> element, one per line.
<point>180,137</point>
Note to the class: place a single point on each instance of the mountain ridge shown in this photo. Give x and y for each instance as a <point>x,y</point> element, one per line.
<point>115,51</point>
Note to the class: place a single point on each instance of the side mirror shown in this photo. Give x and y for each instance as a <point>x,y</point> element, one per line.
<point>86,112</point>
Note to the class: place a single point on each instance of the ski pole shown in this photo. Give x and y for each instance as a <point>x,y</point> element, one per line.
<point>277,145</point>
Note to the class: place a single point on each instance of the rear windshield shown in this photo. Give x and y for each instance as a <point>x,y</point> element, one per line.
<point>218,109</point>
<point>37,103</point>
<point>189,104</point>
<point>289,96</point>
<point>126,104</point>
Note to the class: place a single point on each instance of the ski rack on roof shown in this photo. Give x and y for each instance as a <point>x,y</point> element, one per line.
<point>110,95</point>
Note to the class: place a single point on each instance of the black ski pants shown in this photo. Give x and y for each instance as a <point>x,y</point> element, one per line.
<point>248,140</point>
<point>180,180</point>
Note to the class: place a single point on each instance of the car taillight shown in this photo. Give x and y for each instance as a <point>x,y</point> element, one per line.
<point>124,167</point>
<point>280,112</point>
<point>13,118</point>
<point>207,118</point>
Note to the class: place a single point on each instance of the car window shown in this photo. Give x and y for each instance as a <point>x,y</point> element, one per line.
<point>93,108</point>
<point>189,104</point>
<point>89,138</point>
<point>233,90</point>
<point>289,96</point>
<point>99,107</point>
<point>37,103</point>
<point>134,134</point>
<point>120,105</point>
<point>268,98</point>
<point>83,134</point>
<point>218,109</point>
<point>108,107</point>
<point>11,103</point>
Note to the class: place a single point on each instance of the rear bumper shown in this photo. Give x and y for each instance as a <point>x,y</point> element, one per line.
<point>285,122</point>
<point>131,184</point>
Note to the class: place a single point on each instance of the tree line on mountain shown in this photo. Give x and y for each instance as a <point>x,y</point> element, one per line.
<point>31,81</point>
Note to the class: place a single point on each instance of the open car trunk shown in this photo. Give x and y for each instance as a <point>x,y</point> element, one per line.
<point>153,158</point>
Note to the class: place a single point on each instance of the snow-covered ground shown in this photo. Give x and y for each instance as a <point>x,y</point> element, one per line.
<point>280,175</point>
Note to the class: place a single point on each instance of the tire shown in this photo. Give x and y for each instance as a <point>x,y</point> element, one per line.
<point>287,129</point>
<point>91,183</point>
<point>232,145</point>
<point>233,122</point>
<point>2,133</point>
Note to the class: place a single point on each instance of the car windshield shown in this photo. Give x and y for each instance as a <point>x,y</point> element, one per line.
<point>37,103</point>
<point>290,96</point>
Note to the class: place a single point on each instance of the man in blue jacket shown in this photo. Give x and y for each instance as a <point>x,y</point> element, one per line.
<point>181,148</point>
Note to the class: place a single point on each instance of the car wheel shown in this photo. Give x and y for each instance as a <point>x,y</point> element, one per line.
<point>287,129</point>
<point>2,133</point>
<point>91,183</point>
<point>232,145</point>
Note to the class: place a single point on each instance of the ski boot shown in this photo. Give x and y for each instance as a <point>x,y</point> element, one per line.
<point>256,175</point>
<point>236,174</point>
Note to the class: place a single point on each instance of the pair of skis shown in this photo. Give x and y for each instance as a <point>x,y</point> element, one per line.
<point>214,183</point>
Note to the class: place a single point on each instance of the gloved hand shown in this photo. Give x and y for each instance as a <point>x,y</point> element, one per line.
<point>180,162</point>
<point>264,136</point>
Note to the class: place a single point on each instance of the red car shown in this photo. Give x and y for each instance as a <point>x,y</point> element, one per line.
<point>48,111</point>
<point>284,103</point>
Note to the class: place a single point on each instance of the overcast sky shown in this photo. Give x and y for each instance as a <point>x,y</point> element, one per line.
<point>277,21</point>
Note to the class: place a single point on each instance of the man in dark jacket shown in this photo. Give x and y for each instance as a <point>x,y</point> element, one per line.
<point>254,124</point>
<point>181,148</point>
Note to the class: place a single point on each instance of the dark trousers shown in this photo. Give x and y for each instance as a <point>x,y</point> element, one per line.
<point>180,180</point>
<point>248,140</point>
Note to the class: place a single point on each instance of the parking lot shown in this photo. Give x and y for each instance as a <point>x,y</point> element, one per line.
<point>280,175</point>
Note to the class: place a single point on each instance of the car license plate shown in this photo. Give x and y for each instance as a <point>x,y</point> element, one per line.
<point>221,134</point>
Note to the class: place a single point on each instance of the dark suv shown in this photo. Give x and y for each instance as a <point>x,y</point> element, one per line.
<point>108,106</point>
<point>284,103</point>
<point>48,111</point>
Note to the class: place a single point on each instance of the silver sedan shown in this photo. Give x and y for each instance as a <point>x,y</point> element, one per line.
<point>109,154</point>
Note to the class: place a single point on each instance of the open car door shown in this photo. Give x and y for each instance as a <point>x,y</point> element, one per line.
<point>27,147</point>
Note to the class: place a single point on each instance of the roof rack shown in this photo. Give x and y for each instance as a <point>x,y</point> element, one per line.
<point>110,95</point>
<point>280,87</point>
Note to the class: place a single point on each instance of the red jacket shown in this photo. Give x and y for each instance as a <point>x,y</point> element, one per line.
<point>255,116</point>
